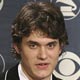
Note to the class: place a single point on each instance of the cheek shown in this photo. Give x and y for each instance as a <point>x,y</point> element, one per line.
<point>27,55</point>
<point>27,60</point>
<point>54,54</point>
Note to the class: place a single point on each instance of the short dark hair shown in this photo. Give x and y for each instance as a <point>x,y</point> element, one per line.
<point>43,16</point>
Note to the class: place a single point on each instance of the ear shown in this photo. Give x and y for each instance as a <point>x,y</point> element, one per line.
<point>15,46</point>
<point>61,48</point>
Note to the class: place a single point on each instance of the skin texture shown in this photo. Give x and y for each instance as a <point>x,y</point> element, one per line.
<point>39,56</point>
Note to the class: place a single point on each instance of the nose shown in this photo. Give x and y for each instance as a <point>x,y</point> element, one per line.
<point>42,53</point>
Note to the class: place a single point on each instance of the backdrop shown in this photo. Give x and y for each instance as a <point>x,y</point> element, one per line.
<point>68,67</point>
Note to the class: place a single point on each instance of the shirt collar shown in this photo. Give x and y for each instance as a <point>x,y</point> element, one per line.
<point>22,76</point>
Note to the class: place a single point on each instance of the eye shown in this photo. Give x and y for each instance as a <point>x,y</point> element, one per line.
<point>51,45</point>
<point>72,67</point>
<point>33,46</point>
<point>68,67</point>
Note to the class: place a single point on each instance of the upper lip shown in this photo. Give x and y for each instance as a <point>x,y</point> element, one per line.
<point>42,63</point>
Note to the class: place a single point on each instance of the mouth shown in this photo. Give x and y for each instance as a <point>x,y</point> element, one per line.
<point>42,66</point>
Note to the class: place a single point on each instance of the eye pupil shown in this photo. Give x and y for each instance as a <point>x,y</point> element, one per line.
<point>33,45</point>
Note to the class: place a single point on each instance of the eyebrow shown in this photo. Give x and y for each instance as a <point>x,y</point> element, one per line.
<point>34,42</point>
<point>53,42</point>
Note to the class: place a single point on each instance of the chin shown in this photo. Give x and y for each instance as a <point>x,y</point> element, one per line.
<point>43,75</point>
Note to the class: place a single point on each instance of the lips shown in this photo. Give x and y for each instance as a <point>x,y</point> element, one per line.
<point>42,66</point>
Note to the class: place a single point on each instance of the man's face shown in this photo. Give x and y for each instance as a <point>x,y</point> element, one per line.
<point>39,56</point>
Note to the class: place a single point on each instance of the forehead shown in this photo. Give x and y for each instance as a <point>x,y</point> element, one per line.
<point>39,37</point>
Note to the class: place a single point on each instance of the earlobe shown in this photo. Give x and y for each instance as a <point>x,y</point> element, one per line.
<point>15,46</point>
<point>60,52</point>
<point>61,49</point>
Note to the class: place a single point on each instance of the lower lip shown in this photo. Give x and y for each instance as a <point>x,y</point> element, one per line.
<point>42,67</point>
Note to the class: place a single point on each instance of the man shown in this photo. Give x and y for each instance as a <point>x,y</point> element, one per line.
<point>38,35</point>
